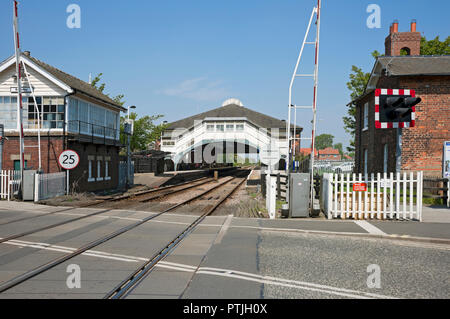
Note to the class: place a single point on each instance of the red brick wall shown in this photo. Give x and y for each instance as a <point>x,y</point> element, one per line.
<point>51,147</point>
<point>423,145</point>
<point>397,41</point>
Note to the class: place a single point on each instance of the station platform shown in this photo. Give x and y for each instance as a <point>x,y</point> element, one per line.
<point>170,178</point>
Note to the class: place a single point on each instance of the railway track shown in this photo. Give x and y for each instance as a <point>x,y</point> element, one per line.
<point>130,283</point>
<point>139,196</point>
<point>122,290</point>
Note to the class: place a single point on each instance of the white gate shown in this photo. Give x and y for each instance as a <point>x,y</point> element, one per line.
<point>50,185</point>
<point>9,183</point>
<point>396,196</point>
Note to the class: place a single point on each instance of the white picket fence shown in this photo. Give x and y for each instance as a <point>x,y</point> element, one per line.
<point>9,184</point>
<point>50,185</point>
<point>397,196</point>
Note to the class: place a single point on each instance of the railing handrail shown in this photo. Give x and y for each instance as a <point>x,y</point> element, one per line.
<point>92,130</point>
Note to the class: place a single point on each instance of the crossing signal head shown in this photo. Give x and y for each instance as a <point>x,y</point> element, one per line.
<point>400,108</point>
<point>395,108</point>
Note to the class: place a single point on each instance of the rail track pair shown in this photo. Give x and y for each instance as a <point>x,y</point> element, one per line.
<point>134,279</point>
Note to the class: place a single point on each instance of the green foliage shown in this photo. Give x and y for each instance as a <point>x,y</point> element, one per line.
<point>340,148</point>
<point>145,131</point>
<point>95,83</point>
<point>375,54</point>
<point>357,85</point>
<point>324,141</point>
<point>435,46</point>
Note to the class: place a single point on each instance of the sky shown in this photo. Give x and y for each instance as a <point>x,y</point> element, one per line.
<point>178,58</point>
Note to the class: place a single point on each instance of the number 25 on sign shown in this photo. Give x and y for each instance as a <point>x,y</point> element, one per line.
<point>69,159</point>
<point>360,187</point>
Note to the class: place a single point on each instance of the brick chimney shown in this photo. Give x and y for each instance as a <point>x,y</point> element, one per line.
<point>407,41</point>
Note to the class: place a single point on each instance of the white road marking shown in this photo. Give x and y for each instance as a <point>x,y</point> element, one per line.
<point>283,230</point>
<point>212,271</point>
<point>371,229</point>
<point>223,230</point>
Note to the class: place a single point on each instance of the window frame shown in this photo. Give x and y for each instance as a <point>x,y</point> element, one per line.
<point>99,170</point>
<point>210,128</point>
<point>220,130</point>
<point>366,117</point>
<point>90,176</point>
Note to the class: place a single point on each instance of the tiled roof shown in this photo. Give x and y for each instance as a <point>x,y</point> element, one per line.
<point>231,111</point>
<point>71,81</point>
<point>416,65</point>
<point>329,151</point>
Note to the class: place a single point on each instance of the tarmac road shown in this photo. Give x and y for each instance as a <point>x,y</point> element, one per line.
<point>228,257</point>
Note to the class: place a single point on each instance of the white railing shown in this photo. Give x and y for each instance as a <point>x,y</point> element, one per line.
<point>382,197</point>
<point>9,184</point>
<point>49,186</point>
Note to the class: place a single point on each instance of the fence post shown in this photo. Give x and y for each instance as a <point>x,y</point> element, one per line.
<point>421,196</point>
<point>448,191</point>
<point>8,184</point>
<point>36,187</point>
<point>330,196</point>
<point>279,186</point>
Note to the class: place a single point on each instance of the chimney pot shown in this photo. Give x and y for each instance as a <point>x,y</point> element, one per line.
<point>395,26</point>
<point>27,53</point>
<point>413,25</point>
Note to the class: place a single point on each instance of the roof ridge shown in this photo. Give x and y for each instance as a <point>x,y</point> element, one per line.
<point>77,84</point>
<point>65,73</point>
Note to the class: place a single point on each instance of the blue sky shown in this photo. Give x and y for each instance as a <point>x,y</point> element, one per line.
<point>181,57</point>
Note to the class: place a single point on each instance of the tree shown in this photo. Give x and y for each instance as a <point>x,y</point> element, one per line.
<point>356,85</point>
<point>324,141</point>
<point>340,148</point>
<point>95,83</point>
<point>435,47</point>
<point>145,131</point>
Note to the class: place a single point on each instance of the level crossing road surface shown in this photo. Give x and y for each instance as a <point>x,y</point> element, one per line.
<point>225,257</point>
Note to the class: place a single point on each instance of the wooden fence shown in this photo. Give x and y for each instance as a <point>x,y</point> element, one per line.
<point>396,196</point>
<point>9,184</point>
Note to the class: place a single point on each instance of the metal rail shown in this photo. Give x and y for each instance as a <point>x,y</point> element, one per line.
<point>101,202</point>
<point>40,269</point>
<point>138,194</point>
<point>127,286</point>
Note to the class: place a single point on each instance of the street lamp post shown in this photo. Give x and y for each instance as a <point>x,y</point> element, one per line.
<point>129,132</point>
<point>162,133</point>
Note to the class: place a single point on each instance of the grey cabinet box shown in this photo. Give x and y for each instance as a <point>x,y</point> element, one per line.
<point>28,185</point>
<point>299,195</point>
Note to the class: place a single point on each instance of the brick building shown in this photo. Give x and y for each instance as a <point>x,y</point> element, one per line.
<point>74,115</point>
<point>329,154</point>
<point>379,150</point>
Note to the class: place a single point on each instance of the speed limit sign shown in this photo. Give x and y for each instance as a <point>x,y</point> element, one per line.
<point>69,160</point>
